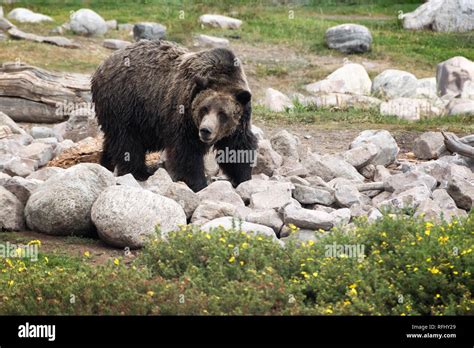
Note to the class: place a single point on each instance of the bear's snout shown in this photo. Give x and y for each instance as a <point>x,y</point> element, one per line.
<point>208,128</point>
<point>205,133</point>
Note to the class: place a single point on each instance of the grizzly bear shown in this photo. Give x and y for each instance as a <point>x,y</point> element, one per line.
<point>155,95</point>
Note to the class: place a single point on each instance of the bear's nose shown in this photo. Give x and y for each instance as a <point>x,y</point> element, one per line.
<point>205,132</point>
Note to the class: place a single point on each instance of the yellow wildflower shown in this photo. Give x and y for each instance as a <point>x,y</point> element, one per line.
<point>150,293</point>
<point>232,259</point>
<point>87,253</point>
<point>116,262</point>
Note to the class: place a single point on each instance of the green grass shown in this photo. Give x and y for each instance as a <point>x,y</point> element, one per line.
<point>263,23</point>
<point>410,267</point>
<point>363,118</point>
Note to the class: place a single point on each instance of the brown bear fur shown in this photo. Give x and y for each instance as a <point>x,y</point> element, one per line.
<point>155,95</point>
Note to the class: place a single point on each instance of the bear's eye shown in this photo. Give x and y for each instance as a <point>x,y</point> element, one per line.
<point>204,110</point>
<point>223,117</point>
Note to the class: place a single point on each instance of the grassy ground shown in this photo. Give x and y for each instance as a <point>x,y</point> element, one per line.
<point>404,267</point>
<point>299,27</point>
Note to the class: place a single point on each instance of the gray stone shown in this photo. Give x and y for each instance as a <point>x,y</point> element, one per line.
<point>62,205</point>
<point>268,160</point>
<point>267,217</point>
<point>410,109</point>
<point>306,218</point>
<point>211,41</point>
<point>237,225</point>
<point>388,148</point>
<point>21,187</point>
<point>248,188</point>
<point>276,101</point>
<point>429,210</point>
<point>303,236</point>
<point>429,145</point>
<point>219,21</point>
<point>148,31</point>
<point>88,23</point>
<point>461,107</point>
<point>285,144</point>
<point>360,156</point>
<point>127,180</point>
<point>16,166</point>
<point>125,27</point>
<point>24,15</point>
<point>349,38</point>
<point>39,152</point>
<point>393,83</point>
<point>312,195</point>
<point>347,195</point>
<point>115,44</point>
<point>359,210</point>
<point>5,120</point>
<point>210,210</point>
<point>41,132</point>
<point>117,210</point>
<point>448,205</point>
<point>159,181</point>
<point>401,182</point>
<point>411,198</point>
<point>452,74</point>
<point>275,196</point>
<point>374,215</point>
<point>368,171</point>
<point>462,191</point>
<point>184,196</point>
<point>341,216</point>
<point>45,173</point>
<point>111,24</point>
<point>81,124</point>
<point>441,15</point>
<point>221,191</point>
<point>11,212</point>
<point>341,169</point>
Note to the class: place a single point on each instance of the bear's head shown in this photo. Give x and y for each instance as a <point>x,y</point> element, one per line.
<point>217,114</point>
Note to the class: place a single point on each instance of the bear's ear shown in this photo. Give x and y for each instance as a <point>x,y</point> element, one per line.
<point>201,82</point>
<point>243,97</point>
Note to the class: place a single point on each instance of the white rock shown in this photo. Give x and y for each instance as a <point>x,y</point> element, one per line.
<point>148,31</point>
<point>210,210</point>
<point>117,210</point>
<point>115,44</point>
<point>21,187</point>
<point>88,23</point>
<point>127,180</point>
<point>23,15</point>
<point>441,15</point>
<point>231,223</point>
<point>388,148</point>
<point>360,156</point>
<point>221,191</point>
<point>276,101</point>
<point>306,218</point>
<point>45,173</point>
<point>411,198</point>
<point>429,145</point>
<point>275,196</point>
<point>393,83</point>
<point>184,196</point>
<point>343,101</point>
<point>461,107</point>
<point>401,182</point>
<point>350,78</point>
<point>285,144</point>
<point>267,217</point>
<point>211,41</point>
<point>468,90</point>
<point>427,88</point>
<point>410,109</point>
<point>452,74</point>
<point>313,195</point>
<point>268,160</point>
<point>220,21</point>
<point>62,205</point>
<point>11,212</point>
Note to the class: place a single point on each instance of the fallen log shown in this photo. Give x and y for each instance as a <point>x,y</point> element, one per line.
<point>24,110</point>
<point>53,40</point>
<point>454,144</point>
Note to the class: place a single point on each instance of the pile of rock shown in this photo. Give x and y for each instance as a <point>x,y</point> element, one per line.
<point>290,186</point>
<point>394,92</point>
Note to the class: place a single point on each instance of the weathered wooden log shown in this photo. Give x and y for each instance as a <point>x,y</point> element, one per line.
<point>30,94</point>
<point>24,110</point>
<point>454,144</point>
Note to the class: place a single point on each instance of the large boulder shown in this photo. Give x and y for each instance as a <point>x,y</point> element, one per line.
<point>221,191</point>
<point>350,78</point>
<point>429,145</point>
<point>285,144</point>
<point>88,23</point>
<point>393,83</point>
<point>349,38</point>
<point>452,75</point>
<point>148,31</point>
<point>388,148</point>
<point>23,15</point>
<point>211,41</point>
<point>127,216</point>
<point>62,205</point>
<point>460,107</point>
<point>441,15</point>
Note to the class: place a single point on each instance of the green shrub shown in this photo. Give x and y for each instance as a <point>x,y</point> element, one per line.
<point>409,267</point>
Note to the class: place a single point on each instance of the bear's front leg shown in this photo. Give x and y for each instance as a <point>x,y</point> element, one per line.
<point>187,164</point>
<point>237,155</point>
